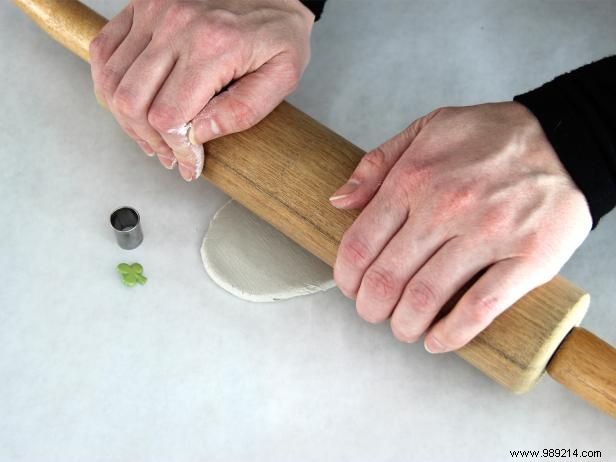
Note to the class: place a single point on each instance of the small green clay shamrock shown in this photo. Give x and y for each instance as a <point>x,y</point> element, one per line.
<point>131,274</point>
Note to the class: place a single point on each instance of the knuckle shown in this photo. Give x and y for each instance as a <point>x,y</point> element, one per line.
<point>125,103</point>
<point>421,297</point>
<point>107,80</point>
<point>98,47</point>
<point>244,114</point>
<point>413,176</point>
<point>376,159</point>
<point>444,111</point>
<point>354,252</point>
<point>290,77</point>
<point>460,199</point>
<point>453,202</point>
<point>532,244</point>
<point>495,221</point>
<point>220,38</point>
<point>482,309</point>
<point>380,283</point>
<point>151,6</point>
<point>161,119</point>
<point>220,30</point>
<point>295,75</point>
<point>178,14</point>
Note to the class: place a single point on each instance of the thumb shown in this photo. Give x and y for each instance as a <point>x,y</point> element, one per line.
<point>245,103</point>
<point>374,167</point>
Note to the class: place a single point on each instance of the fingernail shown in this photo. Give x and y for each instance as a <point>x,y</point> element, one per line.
<point>214,127</point>
<point>101,101</point>
<point>347,189</point>
<point>191,136</point>
<point>432,345</point>
<point>214,131</point>
<point>145,147</point>
<point>187,171</point>
<point>168,162</point>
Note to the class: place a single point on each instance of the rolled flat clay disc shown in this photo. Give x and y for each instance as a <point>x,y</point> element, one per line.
<point>252,260</point>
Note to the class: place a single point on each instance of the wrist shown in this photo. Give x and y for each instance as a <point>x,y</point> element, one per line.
<point>544,158</point>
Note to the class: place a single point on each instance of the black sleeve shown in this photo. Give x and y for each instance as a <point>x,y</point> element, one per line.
<point>578,114</point>
<point>316,6</point>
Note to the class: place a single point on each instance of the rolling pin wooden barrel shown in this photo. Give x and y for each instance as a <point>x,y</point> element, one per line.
<point>284,170</point>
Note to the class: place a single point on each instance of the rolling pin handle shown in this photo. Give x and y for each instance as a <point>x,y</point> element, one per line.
<point>586,365</point>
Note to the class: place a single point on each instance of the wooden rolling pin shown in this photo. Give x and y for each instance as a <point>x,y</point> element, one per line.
<point>285,169</point>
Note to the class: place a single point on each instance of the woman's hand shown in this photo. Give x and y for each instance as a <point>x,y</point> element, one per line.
<point>161,67</point>
<point>459,191</point>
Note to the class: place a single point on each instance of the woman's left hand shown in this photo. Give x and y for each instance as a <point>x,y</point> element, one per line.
<point>460,191</point>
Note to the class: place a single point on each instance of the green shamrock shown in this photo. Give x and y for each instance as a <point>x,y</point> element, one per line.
<point>131,274</point>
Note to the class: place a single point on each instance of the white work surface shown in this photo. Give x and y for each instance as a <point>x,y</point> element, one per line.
<point>180,370</point>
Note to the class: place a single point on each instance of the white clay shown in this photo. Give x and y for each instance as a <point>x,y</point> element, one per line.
<point>252,260</point>
<point>194,152</point>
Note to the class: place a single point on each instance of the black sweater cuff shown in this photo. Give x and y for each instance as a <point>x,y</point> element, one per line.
<point>578,114</point>
<point>316,6</point>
